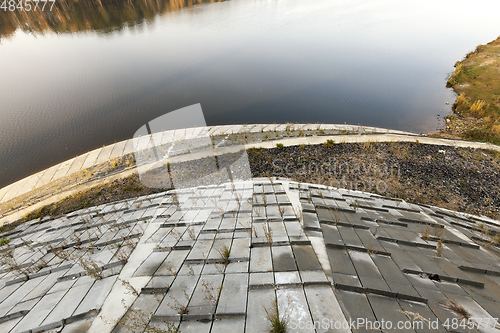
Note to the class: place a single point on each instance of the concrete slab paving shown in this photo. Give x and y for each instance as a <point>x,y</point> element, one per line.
<point>379,270</point>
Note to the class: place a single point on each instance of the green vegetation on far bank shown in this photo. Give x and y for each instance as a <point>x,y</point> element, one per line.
<point>476,80</point>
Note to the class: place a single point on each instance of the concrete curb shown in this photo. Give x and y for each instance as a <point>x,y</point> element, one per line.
<point>73,173</point>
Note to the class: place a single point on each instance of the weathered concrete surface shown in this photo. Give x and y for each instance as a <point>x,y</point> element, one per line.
<point>84,271</point>
<point>117,160</point>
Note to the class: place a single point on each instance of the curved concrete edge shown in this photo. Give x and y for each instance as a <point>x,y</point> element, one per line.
<point>374,138</point>
<point>123,148</point>
<point>60,196</point>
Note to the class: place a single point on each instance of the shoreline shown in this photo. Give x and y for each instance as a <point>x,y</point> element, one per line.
<point>476,110</point>
<point>444,177</point>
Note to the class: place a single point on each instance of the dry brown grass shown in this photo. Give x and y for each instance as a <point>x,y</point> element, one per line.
<point>456,308</point>
<point>476,80</point>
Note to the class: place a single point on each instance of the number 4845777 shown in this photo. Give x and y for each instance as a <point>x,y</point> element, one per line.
<point>26,5</point>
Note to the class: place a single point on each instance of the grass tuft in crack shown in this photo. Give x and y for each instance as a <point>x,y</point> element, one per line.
<point>456,308</point>
<point>278,324</point>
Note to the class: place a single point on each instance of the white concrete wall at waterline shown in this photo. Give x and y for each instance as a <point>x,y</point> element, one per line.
<point>125,147</point>
<point>349,134</point>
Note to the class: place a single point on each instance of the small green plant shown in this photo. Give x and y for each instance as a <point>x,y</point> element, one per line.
<point>211,293</point>
<point>426,233</point>
<point>439,248</point>
<point>4,241</point>
<point>177,306</point>
<point>279,145</point>
<point>224,252</point>
<point>268,233</point>
<point>91,267</point>
<point>191,233</point>
<point>328,143</point>
<point>355,204</point>
<point>371,249</point>
<point>336,218</point>
<point>278,324</point>
<point>281,210</point>
<point>438,230</point>
<point>368,146</point>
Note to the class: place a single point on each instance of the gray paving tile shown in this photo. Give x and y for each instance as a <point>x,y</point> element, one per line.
<point>331,234</point>
<point>414,310</point>
<point>450,288</point>
<point>261,278</point>
<point>340,261</point>
<point>8,325</point>
<point>345,279</point>
<point>424,262</point>
<point>23,306</point>
<point>233,296</point>
<point>238,267</point>
<point>292,302</point>
<point>283,259</point>
<point>227,325</point>
<point>402,288</point>
<point>260,259</point>
<point>306,257</point>
<point>205,295</point>
<point>325,310</point>
<point>356,306</point>
<point>364,264</point>
<point>195,327</point>
<point>421,282</point>
<point>35,317</point>
<point>491,288</point>
<point>96,295</point>
<point>258,301</point>
<point>388,310</point>
<point>389,270</point>
<point>375,283</point>
<point>201,249</point>
<point>435,297</point>
<point>21,292</point>
<point>400,257</point>
<point>68,304</point>
<point>6,291</point>
<point>178,296</point>
<point>349,236</point>
<point>151,264</point>
<point>240,248</point>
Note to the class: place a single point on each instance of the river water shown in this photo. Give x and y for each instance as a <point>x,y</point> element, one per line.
<point>89,73</point>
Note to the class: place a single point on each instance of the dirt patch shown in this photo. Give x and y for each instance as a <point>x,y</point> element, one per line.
<point>454,178</point>
<point>460,179</point>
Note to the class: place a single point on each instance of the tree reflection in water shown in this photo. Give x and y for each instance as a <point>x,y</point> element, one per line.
<point>89,15</point>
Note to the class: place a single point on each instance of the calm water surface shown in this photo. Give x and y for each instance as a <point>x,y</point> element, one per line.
<point>88,75</point>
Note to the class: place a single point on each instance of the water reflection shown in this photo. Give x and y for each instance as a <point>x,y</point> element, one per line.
<point>90,15</point>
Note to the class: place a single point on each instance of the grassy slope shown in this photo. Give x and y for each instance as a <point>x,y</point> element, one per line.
<point>476,80</point>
